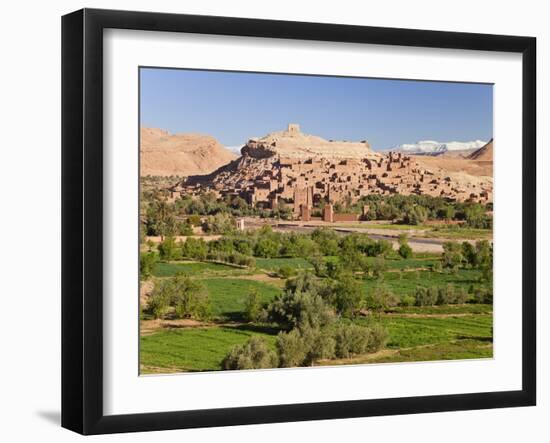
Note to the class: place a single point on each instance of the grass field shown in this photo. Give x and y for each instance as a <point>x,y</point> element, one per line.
<point>416,333</point>
<point>460,233</point>
<point>407,282</point>
<point>411,339</point>
<point>192,349</point>
<point>273,264</point>
<point>228,295</point>
<point>163,269</point>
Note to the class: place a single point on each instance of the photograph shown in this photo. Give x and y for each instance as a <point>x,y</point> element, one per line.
<point>292,220</point>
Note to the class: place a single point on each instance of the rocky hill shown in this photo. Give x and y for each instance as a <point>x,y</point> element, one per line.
<point>294,144</point>
<point>485,153</point>
<point>164,154</point>
<point>288,166</point>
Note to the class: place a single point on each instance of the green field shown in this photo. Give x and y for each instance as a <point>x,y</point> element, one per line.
<point>273,264</point>
<point>413,339</point>
<point>416,333</point>
<point>192,349</point>
<point>228,295</point>
<point>407,282</point>
<point>164,269</point>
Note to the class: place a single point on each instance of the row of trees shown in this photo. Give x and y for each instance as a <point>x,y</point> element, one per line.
<point>187,298</point>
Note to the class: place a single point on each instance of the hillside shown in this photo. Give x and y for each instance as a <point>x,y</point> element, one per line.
<point>290,166</point>
<point>294,144</point>
<point>485,153</point>
<point>164,154</point>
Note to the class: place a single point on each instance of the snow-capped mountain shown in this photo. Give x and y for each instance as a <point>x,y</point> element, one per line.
<point>435,147</point>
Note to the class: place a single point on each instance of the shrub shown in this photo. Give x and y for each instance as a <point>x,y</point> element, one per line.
<point>160,298</point>
<point>195,248</point>
<point>381,298</point>
<point>319,344</point>
<point>452,255</point>
<point>351,340</point>
<point>266,248</point>
<point>346,296</point>
<point>220,223</point>
<point>425,296</point>
<point>327,239</point>
<point>482,295</point>
<point>405,251</point>
<point>290,349</point>
<point>190,298</point>
<point>252,306</point>
<point>378,337</point>
<point>407,300</point>
<point>378,267</point>
<point>254,354</point>
<point>167,249</point>
<point>286,271</point>
<point>299,310</point>
<point>469,254</point>
<point>147,262</point>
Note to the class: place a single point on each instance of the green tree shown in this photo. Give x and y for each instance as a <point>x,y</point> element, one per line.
<point>167,249</point>
<point>452,255</point>
<point>291,349</point>
<point>381,299</point>
<point>195,248</point>
<point>346,296</point>
<point>254,354</point>
<point>147,262</point>
<point>266,248</point>
<point>190,298</point>
<point>160,298</point>
<point>299,310</point>
<point>252,305</point>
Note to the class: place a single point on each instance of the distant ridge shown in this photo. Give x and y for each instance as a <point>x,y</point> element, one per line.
<point>485,153</point>
<point>165,154</point>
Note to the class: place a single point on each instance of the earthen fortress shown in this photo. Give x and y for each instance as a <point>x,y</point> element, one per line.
<point>288,167</point>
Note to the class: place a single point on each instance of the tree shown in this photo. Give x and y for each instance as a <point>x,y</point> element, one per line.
<point>378,267</point>
<point>346,296</point>
<point>452,255</point>
<point>195,248</point>
<point>254,354</point>
<point>252,305</point>
<point>405,251</point>
<point>469,254</point>
<point>298,308</point>
<point>381,298</point>
<point>160,298</point>
<point>147,262</point>
<point>161,219</point>
<point>266,248</point>
<point>220,223</point>
<point>350,340</point>
<point>327,239</point>
<point>167,249</point>
<point>290,349</point>
<point>415,215</point>
<point>189,297</point>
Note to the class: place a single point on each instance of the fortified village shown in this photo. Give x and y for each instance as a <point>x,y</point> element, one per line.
<point>292,168</point>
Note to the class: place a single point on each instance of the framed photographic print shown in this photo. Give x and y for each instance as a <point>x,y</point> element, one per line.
<point>269,221</point>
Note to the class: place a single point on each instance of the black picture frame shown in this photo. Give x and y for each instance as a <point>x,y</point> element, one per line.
<point>82,218</point>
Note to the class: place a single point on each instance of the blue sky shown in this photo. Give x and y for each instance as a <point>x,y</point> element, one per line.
<point>234,107</point>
